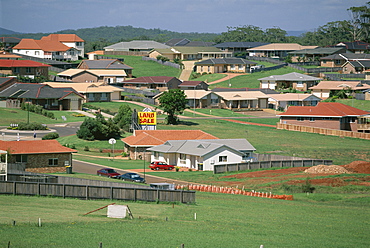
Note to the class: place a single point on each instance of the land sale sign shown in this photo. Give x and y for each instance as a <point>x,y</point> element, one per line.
<point>147,118</point>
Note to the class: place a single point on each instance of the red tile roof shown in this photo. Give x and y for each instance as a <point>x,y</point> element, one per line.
<point>21,63</point>
<point>34,147</point>
<point>63,38</point>
<point>327,109</point>
<point>158,137</point>
<point>44,45</point>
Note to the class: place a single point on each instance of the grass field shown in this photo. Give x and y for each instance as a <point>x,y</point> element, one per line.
<point>144,68</point>
<point>251,80</point>
<point>221,221</point>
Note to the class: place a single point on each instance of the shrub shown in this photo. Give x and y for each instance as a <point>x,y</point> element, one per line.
<point>50,136</point>
<point>86,149</point>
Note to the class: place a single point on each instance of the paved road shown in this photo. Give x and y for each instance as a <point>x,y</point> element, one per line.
<point>89,168</point>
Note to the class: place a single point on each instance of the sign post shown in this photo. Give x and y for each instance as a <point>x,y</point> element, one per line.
<point>112,142</point>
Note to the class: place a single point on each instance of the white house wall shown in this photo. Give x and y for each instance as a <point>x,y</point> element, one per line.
<point>212,158</point>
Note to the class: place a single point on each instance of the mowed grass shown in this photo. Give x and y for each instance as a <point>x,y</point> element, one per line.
<point>144,68</point>
<point>251,80</point>
<point>221,221</point>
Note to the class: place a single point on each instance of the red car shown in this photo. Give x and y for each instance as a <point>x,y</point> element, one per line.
<point>108,173</point>
<point>160,166</point>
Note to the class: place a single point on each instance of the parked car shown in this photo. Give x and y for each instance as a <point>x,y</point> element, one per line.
<point>111,173</point>
<point>133,177</point>
<point>157,165</point>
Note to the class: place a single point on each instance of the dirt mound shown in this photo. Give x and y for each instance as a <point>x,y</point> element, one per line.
<point>362,167</point>
<point>327,169</point>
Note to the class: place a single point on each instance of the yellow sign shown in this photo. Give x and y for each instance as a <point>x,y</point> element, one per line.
<point>147,118</point>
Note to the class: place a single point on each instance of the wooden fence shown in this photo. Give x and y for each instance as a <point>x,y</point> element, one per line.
<point>88,192</point>
<point>325,131</point>
<point>269,164</point>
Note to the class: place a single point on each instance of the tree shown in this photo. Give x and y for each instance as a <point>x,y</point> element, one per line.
<point>98,129</point>
<point>173,103</point>
<point>123,117</point>
<point>360,22</point>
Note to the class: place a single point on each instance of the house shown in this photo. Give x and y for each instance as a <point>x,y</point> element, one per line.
<point>291,80</point>
<point>283,101</point>
<point>54,46</point>
<point>203,99</point>
<point>193,85</point>
<point>189,53</point>
<point>92,91</point>
<point>70,40</point>
<point>355,46</point>
<point>202,154</point>
<point>135,46</point>
<point>327,89</point>
<point>331,115</point>
<point>221,65</point>
<point>243,99</point>
<point>9,42</point>
<point>37,153</point>
<point>356,66</point>
<point>105,76</point>
<point>6,55</point>
<point>105,64</point>
<point>6,82</point>
<point>338,60</point>
<point>48,97</point>
<point>186,42</point>
<point>24,68</point>
<point>315,54</point>
<point>239,48</point>
<point>276,50</point>
<point>160,83</point>
<point>137,144</point>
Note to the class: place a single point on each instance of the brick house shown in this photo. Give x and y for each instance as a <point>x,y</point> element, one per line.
<point>93,76</point>
<point>331,115</point>
<point>37,153</point>
<point>136,144</point>
<point>160,83</point>
<point>220,65</point>
<point>25,68</point>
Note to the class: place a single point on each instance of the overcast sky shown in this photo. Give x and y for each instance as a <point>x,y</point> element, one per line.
<point>214,16</point>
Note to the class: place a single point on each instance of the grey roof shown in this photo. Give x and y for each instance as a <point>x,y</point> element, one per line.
<point>360,63</point>
<point>349,56</point>
<point>137,44</point>
<point>202,147</point>
<point>226,61</point>
<point>355,45</point>
<point>320,50</point>
<point>36,91</point>
<point>111,64</point>
<point>293,76</point>
<point>240,44</point>
<point>177,42</point>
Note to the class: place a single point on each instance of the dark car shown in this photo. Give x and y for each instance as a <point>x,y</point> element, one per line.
<point>111,173</point>
<point>133,177</point>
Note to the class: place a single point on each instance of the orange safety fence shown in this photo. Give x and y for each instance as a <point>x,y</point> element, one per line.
<point>231,190</point>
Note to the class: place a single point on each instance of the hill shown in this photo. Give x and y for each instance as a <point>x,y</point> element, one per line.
<point>4,31</point>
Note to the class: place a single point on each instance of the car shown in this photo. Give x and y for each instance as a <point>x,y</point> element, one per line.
<point>108,172</point>
<point>157,165</point>
<point>133,177</point>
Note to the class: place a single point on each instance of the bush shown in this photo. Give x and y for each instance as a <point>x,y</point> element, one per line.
<point>50,136</point>
<point>86,149</point>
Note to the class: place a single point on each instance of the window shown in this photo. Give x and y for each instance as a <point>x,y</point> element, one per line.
<point>16,70</point>
<point>241,67</point>
<point>300,119</point>
<point>53,161</point>
<point>299,84</point>
<point>312,118</point>
<point>28,70</point>
<point>222,159</point>
<point>37,52</point>
<point>156,155</point>
<point>21,158</point>
<point>232,67</point>
<point>78,43</point>
<point>182,158</point>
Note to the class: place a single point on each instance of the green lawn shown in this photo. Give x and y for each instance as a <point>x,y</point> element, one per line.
<point>147,68</point>
<point>209,77</point>
<point>360,104</point>
<point>221,221</point>
<point>251,80</point>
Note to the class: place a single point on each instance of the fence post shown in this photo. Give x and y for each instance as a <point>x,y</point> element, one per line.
<point>38,189</point>
<point>87,192</point>
<point>64,190</point>
<point>182,196</point>
<point>135,197</point>
<point>111,193</point>
<point>14,188</point>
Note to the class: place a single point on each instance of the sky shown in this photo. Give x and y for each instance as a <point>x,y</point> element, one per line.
<point>211,16</point>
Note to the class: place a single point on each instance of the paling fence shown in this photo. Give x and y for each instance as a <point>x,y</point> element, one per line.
<point>88,192</point>
<point>269,164</point>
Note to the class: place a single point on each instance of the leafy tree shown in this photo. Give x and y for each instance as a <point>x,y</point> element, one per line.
<point>88,129</point>
<point>275,35</point>
<point>123,117</point>
<point>360,22</point>
<point>98,129</point>
<point>173,103</point>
